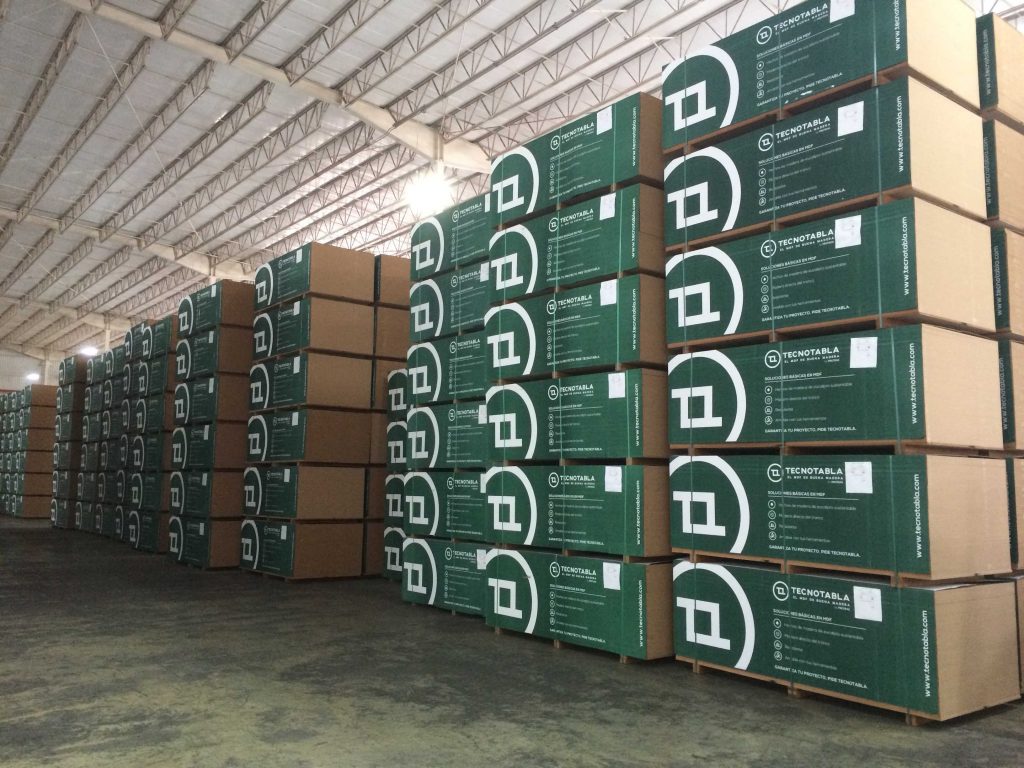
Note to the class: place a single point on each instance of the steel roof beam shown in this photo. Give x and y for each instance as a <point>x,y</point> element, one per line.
<point>332,36</point>
<point>290,134</point>
<point>58,59</point>
<point>197,262</point>
<point>238,117</point>
<point>30,258</point>
<point>418,37</point>
<point>248,29</point>
<point>174,108</point>
<point>104,106</point>
<point>419,137</point>
<point>172,15</point>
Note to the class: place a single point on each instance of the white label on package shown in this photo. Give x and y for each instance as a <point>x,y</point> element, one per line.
<point>484,272</point>
<point>213,292</point>
<point>858,477</point>
<point>848,231</point>
<point>296,365</point>
<point>211,337</point>
<point>604,120</point>
<point>284,533</point>
<point>612,575</point>
<point>202,528</point>
<point>613,479</point>
<point>295,308</point>
<point>287,474</point>
<point>851,119</point>
<point>481,559</point>
<point>867,603</point>
<point>206,432</point>
<point>609,292</point>
<point>205,475</point>
<point>864,352</point>
<point>209,386</point>
<point>840,9</point>
<point>616,385</point>
<point>607,207</point>
<point>295,419</point>
<point>481,415</point>
<point>298,256</point>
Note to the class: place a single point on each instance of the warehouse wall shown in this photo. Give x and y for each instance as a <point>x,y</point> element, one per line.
<point>14,368</point>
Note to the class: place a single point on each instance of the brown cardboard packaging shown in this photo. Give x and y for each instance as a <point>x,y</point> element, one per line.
<point>236,304</point>
<point>1009,64</point>
<point>941,47</point>
<point>961,389</point>
<point>1009,172</point>
<point>341,273</point>
<point>330,493</point>
<point>977,646</point>
<point>373,548</point>
<point>954,268</point>
<point>38,484</point>
<point>334,381</point>
<point>340,326</point>
<point>224,537</point>
<point>39,507</point>
<point>376,505</point>
<point>44,395</point>
<point>659,604</point>
<point>41,462</point>
<point>337,437</point>
<point>378,439</point>
<point>963,489</point>
<point>392,333</point>
<point>393,281</point>
<point>40,417</point>
<point>328,550</point>
<point>40,439</point>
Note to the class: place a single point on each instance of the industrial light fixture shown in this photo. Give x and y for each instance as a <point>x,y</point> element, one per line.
<point>32,377</point>
<point>89,351</point>
<point>430,192</point>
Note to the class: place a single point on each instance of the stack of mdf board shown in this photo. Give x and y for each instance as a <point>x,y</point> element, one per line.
<point>91,444</point>
<point>211,364</point>
<point>391,333</point>
<point>569,371</point>
<point>67,439</point>
<point>144,449</point>
<point>26,442</point>
<point>309,428</point>
<point>807,490</point>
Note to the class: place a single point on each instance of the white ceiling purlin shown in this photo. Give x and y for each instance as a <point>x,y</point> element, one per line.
<point>534,24</point>
<point>105,104</point>
<point>58,59</point>
<point>417,38</point>
<point>172,109</point>
<point>41,246</point>
<point>341,149</point>
<point>421,138</point>
<point>287,136</point>
<point>194,261</point>
<point>334,34</point>
<point>65,265</point>
<point>340,192</point>
<point>201,149</point>
<point>180,282</point>
<point>519,35</point>
<point>172,15</point>
<point>94,276</point>
<point>248,29</point>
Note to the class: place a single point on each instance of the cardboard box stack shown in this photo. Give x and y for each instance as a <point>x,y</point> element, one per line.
<point>144,448</point>
<point>828,289</point>
<point>67,439</point>
<point>536,490</point>
<point>26,440</point>
<point>385,475</point>
<point>208,410</point>
<point>310,428</point>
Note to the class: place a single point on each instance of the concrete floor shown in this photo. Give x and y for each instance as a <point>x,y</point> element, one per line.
<point>114,658</point>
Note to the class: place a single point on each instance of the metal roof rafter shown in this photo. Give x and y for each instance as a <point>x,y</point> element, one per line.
<point>333,35</point>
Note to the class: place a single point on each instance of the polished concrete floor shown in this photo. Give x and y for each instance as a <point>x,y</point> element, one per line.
<point>114,658</point>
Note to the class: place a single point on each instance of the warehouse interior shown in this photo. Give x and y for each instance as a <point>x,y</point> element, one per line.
<point>328,437</point>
